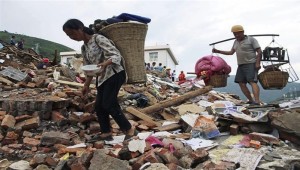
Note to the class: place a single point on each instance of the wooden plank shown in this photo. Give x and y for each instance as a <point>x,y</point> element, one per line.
<point>74,83</point>
<point>6,81</point>
<point>169,127</point>
<point>167,103</point>
<point>142,116</point>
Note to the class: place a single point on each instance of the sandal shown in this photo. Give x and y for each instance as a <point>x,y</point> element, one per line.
<point>98,137</point>
<point>127,136</point>
<point>253,103</point>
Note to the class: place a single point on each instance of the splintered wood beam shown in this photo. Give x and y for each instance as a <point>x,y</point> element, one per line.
<point>73,83</point>
<point>169,127</point>
<point>142,116</point>
<point>167,103</point>
<point>6,81</point>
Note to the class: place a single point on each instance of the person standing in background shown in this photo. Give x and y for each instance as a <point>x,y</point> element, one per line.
<point>159,68</point>
<point>21,44</point>
<point>13,40</point>
<point>153,66</point>
<point>147,66</point>
<point>173,75</point>
<point>181,76</point>
<point>248,53</point>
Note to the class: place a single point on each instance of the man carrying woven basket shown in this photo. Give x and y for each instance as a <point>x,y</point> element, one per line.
<point>248,54</point>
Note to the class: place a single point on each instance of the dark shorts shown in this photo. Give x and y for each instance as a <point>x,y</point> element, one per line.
<point>246,73</point>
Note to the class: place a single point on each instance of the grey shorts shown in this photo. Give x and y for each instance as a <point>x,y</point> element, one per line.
<point>246,73</point>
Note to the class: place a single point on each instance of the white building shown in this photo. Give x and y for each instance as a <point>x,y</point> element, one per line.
<point>159,54</point>
<point>66,57</point>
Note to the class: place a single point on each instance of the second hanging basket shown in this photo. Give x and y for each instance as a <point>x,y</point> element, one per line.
<point>273,79</point>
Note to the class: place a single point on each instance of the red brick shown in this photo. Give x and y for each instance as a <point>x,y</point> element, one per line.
<point>2,113</point>
<point>29,123</point>
<point>99,144</point>
<point>94,127</point>
<point>167,156</point>
<point>234,129</point>
<point>151,157</point>
<point>31,85</point>
<point>8,121</point>
<point>22,118</point>
<point>51,161</point>
<point>15,146</point>
<point>264,138</point>
<point>86,117</point>
<point>6,150</point>
<point>89,107</point>
<point>31,141</point>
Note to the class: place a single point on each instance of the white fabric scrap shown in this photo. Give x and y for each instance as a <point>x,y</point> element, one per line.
<point>137,145</point>
<point>196,143</point>
<point>80,145</point>
<point>165,123</point>
<point>144,135</point>
<point>205,103</point>
<point>117,139</point>
<point>190,118</point>
<point>162,134</point>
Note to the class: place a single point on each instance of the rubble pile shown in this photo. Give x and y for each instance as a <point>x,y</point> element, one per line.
<point>45,123</point>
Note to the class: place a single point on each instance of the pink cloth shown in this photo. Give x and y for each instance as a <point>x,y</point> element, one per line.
<point>154,141</point>
<point>212,64</point>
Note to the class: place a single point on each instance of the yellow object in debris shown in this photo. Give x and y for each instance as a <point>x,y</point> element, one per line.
<point>232,140</point>
<point>65,157</point>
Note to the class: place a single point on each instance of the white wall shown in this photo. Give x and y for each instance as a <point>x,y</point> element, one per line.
<point>163,57</point>
<point>63,59</point>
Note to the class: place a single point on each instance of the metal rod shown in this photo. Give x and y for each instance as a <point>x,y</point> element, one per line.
<point>257,35</point>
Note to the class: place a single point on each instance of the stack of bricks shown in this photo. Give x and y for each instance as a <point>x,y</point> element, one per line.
<point>31,101</point>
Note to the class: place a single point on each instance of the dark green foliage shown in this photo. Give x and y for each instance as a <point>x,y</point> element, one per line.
<point>46,48</point>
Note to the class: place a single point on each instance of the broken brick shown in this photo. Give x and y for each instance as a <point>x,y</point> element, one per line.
<point>8,121</point>
<point>31,142</point>
<point>234,129</point>
<point>29,123</point>
<point>264,138</point>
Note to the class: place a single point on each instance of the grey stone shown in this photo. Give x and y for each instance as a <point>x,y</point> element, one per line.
<point>53,137</point>
<point>101,161</point>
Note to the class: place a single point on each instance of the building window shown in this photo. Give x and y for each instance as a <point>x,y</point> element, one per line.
<point>153,56</point>
<point>68,61</point>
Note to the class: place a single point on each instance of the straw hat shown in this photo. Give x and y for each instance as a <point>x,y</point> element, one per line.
<point>237,28</point>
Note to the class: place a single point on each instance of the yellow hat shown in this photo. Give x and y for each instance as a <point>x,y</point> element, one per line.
<point>237,28</point>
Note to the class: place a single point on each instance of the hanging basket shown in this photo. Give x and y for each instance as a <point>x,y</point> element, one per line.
<point>129,38</point>
<point>218,80</point>
<point>273,79</point>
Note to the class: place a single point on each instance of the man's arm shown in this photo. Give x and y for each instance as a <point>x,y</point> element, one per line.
<point>231,52</point>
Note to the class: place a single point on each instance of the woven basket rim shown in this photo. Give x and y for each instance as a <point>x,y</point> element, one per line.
<point>124,23</point>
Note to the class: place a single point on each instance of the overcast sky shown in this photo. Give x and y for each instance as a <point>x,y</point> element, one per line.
<point>188,26</point>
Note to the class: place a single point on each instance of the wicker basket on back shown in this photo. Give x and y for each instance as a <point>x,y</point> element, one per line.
<point>273,79</point>
<point>129,37</point>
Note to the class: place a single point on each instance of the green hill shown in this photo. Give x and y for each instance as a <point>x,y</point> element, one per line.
<point>43,47</point>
